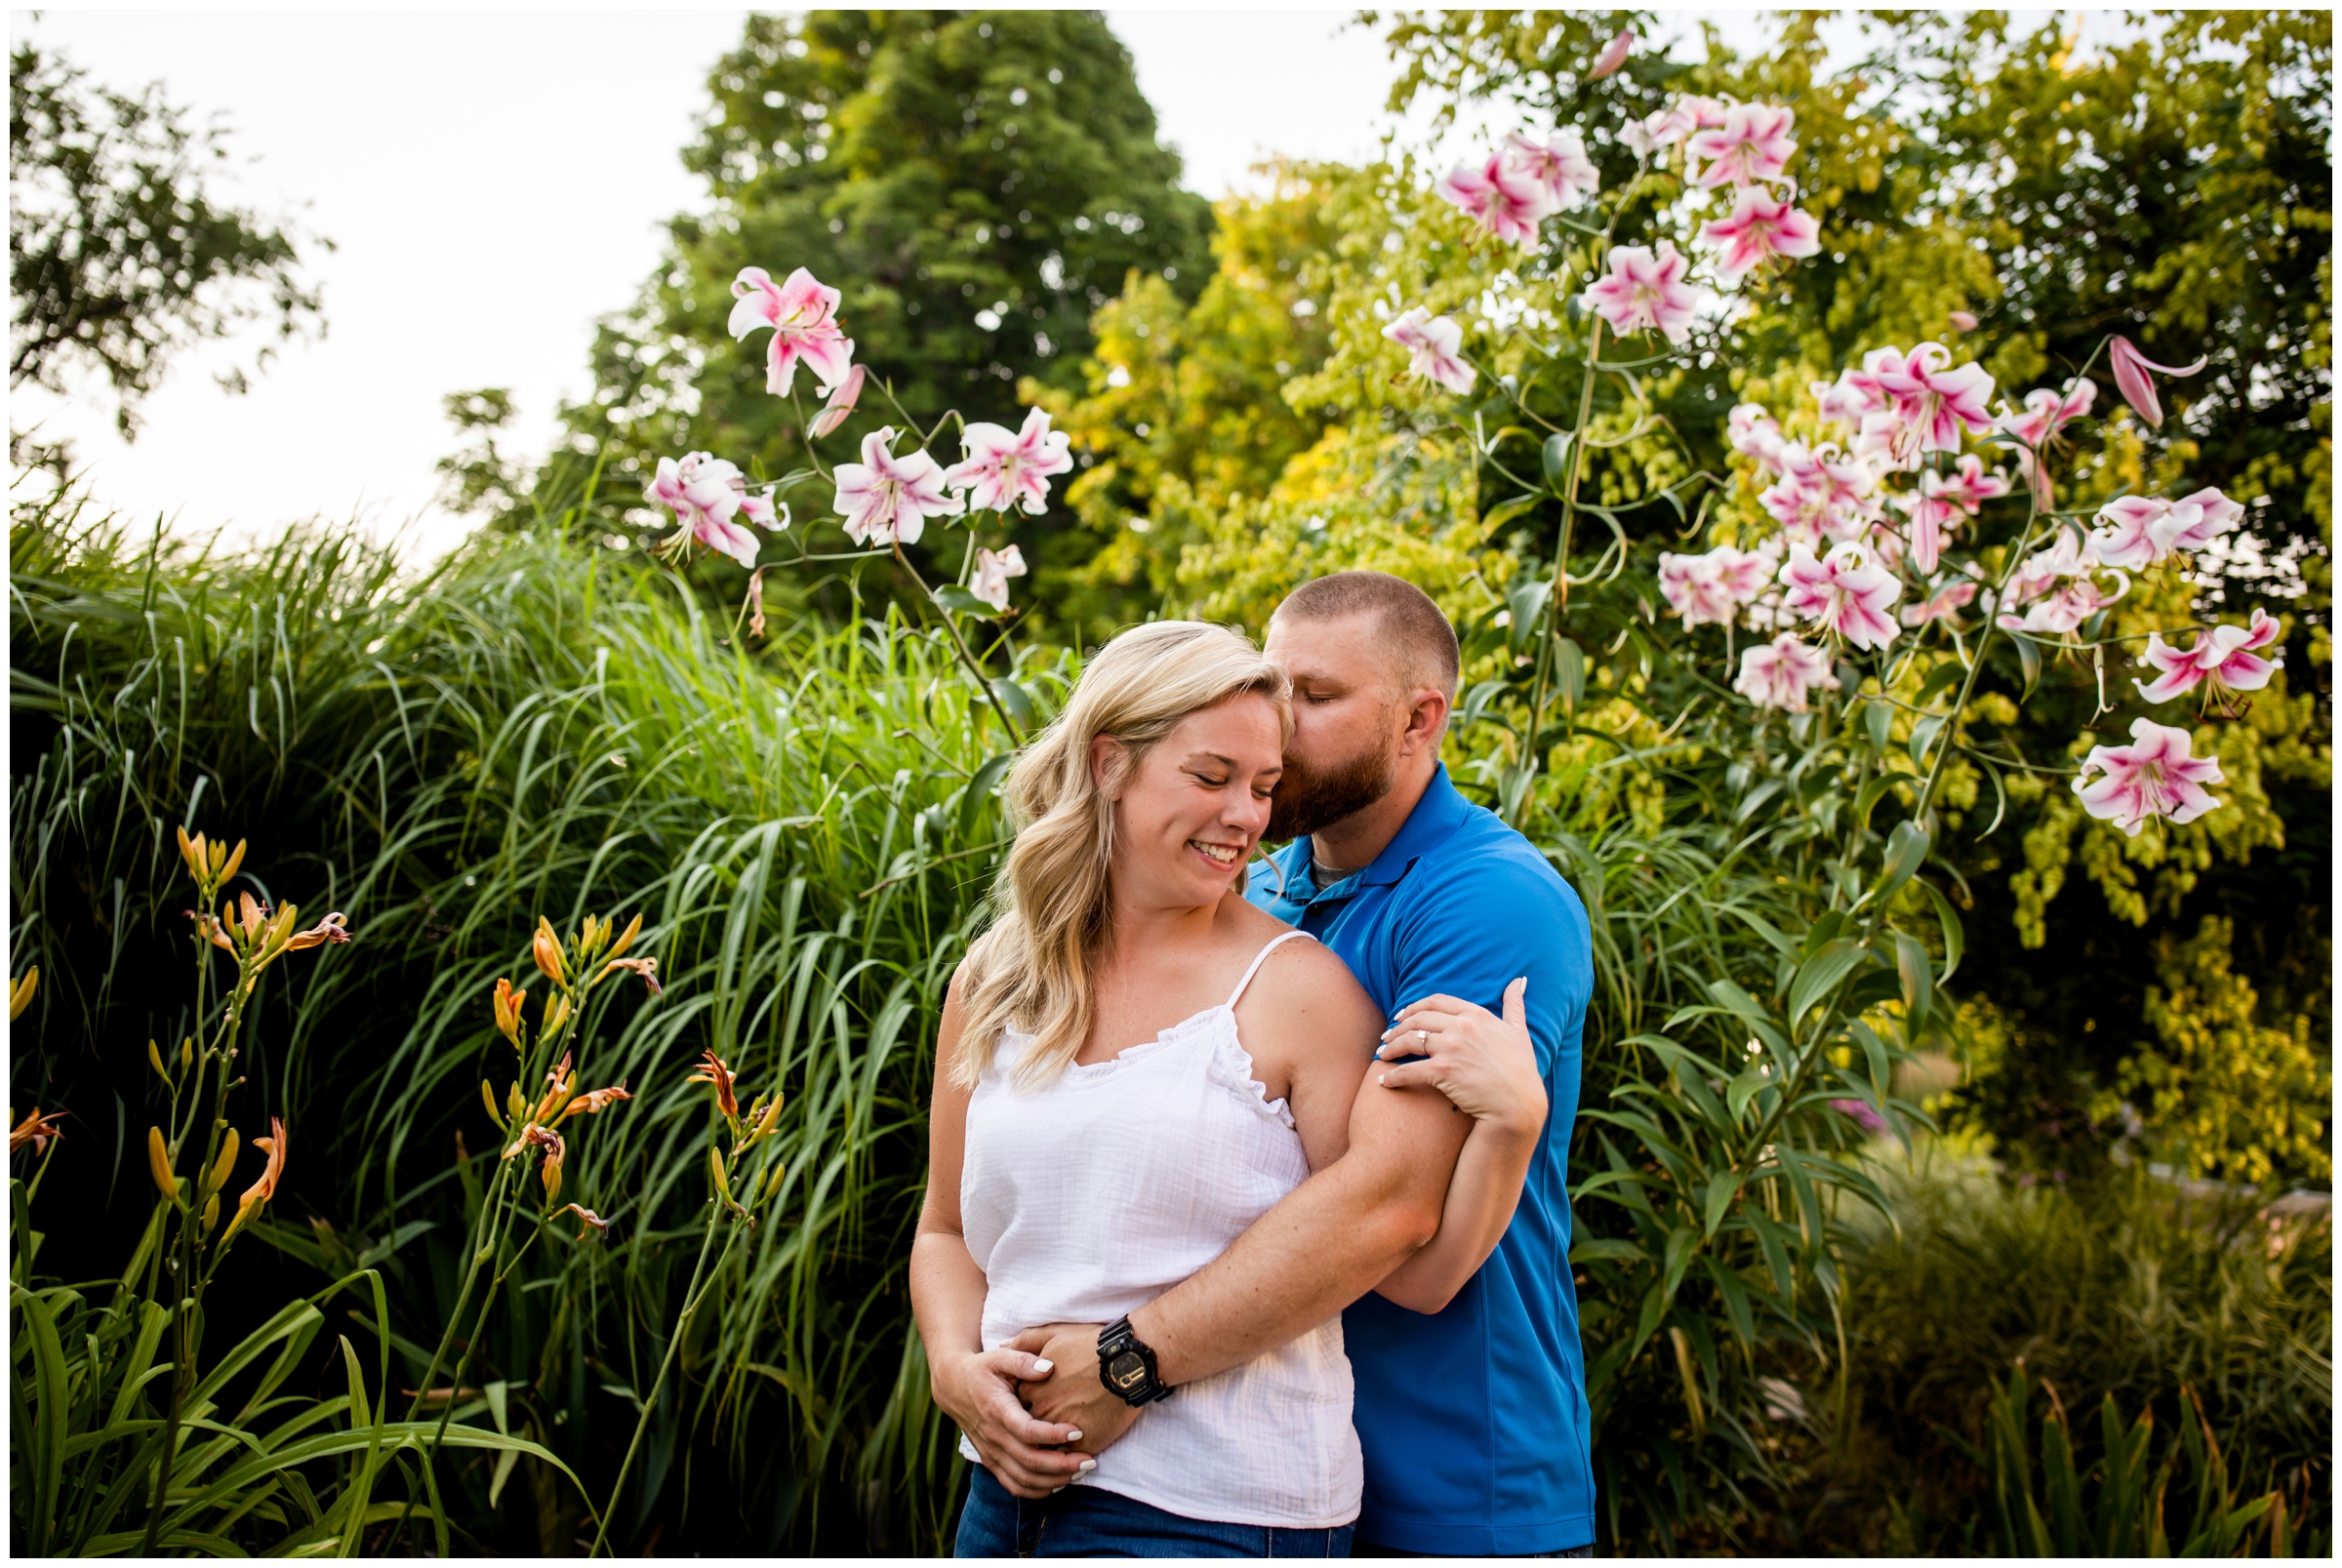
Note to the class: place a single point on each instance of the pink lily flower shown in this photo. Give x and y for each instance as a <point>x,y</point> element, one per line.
<point>1433,345</point>
<point>1932,402</point>
<point>842,399</point>
<point>1964,320</point>
<point>993,571</point>
<point>763,511</point>
<point>1968,486</point>
<point>704,492</point>
<point>1559,163</point>
<point>1753,433</point>
<point>2130,377</point>
<point>1744,574</point>
<point>2195,521</point>
<point>1644,292</point>
<point>1931,518</point>
<point>1846,593</point>
<point>2059,588</point>
<point>1709,588</point>
<point>1780,672</point>
<point>802,313</point>
<point>1005,468</point>
<point>2153,777</point>
<point>1613,55</point>
<point>2138,530</point>
<point>1508,202</point>
<point>887,499</point>
<point>2046,414</point>
<point>2225,657</point>
<point>1943,605</point>
<point>1854,396</point>
<point>1759,228</point>
<point>1752,146</point>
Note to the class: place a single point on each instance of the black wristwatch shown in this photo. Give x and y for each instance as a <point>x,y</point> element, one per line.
<point>1127,1367</point>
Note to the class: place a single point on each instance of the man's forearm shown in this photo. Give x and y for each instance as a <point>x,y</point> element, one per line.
<point>1327,1243</point>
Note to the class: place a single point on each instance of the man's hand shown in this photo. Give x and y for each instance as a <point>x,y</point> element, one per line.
<point>1485,1065</point>
<point>978,1392</point>
<point>1074,1393</point>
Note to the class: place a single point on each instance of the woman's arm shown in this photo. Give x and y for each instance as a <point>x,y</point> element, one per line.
<point>1487,1066</point>
<point>975,1386</point>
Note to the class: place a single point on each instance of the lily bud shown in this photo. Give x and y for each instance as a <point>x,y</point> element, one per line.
<point>771,1188</point>
<point>211,1213</point>
<point>19,996</point>
<point>154,1053</point>
<point>158,1163</point>
<point>550,1170</point>
<point>223,1167</point>
<point>545,948</point>
<point>626,937</point>
<point>771,1117</point>
<point>198,855</point>
<point>556,1014</point>
<point>513,1103</point>
<point>508,1011</point>
<point>715,1167</point>
<point>2132,378</point>
<point>186,1050</point>
<point>488,1098</point>
<point>234,860</point>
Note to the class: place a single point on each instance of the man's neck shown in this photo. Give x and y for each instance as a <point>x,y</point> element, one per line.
<point>1358,838</point>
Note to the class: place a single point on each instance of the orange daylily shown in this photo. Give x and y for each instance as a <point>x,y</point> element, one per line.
<point>264,1190</point>
<point>587,1218</point>
<point>595,1100</point>
<point>36,1130</point>
<point>715,1072</point>
<point>545,948</point>
<point>508,1011</point>
<point>647,968</point>
<point>331,929</point>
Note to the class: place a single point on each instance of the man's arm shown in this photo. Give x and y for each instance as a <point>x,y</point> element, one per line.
<point>1326,1243</point>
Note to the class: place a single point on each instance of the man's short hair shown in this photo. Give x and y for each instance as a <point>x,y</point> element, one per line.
<point>1423,642</point>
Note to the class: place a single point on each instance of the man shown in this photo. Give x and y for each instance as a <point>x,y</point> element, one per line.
<point>1472,1419</point>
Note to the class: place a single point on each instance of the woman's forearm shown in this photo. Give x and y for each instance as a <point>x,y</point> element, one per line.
<point>1481,1200</point>
<point>947,1301</point>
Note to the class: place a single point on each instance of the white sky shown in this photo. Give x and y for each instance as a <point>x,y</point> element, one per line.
<point>494,181</point>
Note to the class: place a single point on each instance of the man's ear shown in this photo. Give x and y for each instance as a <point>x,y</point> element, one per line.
<point>1427,721</point>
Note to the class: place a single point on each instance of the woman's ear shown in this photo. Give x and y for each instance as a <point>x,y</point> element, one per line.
<point>1107,758</point>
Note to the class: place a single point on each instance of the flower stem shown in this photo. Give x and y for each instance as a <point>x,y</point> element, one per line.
<point>966,654</point>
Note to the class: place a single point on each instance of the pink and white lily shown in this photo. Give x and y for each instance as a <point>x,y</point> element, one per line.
<point>1846,593</point>
<point>887,499</point>
<point>1931,402</point>
<point>1613,55</point>
<point>2225,658</point>
<point>1559,164</point>
<point>1006,468</point>
<point>2137,388</point>
<point>842,399</point>
<point>1753,433</point>
<point>802,313</point>
<point>1781,673</point>
<point>1752,146</point>
<point>1434,345</point>
<point>990,582</point>
<point>2138,530</point>
<point>2060,588</point>
<point>1508,202</point>
<point>1944,604</point>
<point>2046,413</point>
<point>1645,291</point>
<point>1759,228</point>
<point>2154,777</point>
<point>704,492</point>
<point>1709,588</point>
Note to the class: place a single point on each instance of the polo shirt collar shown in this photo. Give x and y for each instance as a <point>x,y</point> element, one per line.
<point>1436,816</point>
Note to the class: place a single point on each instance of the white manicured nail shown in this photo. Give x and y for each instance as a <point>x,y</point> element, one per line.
<point>1073,1436</point>
<point>1086,1466</point>
<point>1042,1365</point>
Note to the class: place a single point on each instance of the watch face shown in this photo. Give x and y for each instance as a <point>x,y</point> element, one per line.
<point>1127,1370</point>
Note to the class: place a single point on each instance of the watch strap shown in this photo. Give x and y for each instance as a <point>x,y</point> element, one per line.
<point>1127,1366</point>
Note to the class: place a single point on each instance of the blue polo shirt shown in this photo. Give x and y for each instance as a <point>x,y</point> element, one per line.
<point>1473,1420</point>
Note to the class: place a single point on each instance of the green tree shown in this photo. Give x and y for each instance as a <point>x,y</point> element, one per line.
<point>121,252</point>
<point>977,182</point>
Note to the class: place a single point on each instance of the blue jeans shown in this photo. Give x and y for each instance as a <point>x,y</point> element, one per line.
<point>1088,1521</point>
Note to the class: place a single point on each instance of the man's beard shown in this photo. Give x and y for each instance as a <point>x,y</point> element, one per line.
<point>1305,800</point>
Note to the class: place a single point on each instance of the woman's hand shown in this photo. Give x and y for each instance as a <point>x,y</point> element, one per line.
<point>1074,1393</point>
<point>1485,1065</point>
<point>978,1392</point>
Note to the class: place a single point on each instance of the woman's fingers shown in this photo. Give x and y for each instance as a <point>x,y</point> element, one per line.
<point>1424,1070</point>
<point>1013,1362</point>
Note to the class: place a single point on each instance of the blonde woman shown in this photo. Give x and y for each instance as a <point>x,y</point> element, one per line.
<point>1134,1066</point>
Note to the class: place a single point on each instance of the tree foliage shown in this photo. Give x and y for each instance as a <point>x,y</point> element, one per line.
<point>122,250</point>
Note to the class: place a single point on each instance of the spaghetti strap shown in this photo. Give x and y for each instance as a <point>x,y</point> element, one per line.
<point>1258,959</point>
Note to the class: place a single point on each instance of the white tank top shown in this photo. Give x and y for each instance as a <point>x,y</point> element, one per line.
<point>1088,1197</point>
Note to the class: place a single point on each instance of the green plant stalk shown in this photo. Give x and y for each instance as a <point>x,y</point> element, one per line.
<point>968,657</point>
<point>690,1302</point>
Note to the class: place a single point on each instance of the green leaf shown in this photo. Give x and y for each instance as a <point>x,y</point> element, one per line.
<point>1015,699</point>
<point>979,792</point>
<point>1526,601</point>
<point>2030,658</point>
<point>1906,852</point>
<point>1681,1243</point>
<point>1729,1285</point>
<point>1723,1187</point>
<point>1942,678</point>
<point>1818,976</point>
<point>1918,982</point>
<point>1879,719</point>
<point>1922,736</point>
<point>1603,1249</point>
<point>1743,1090</point>
<point>44,1435</point>
<point>1498,517</point>
<point>1947,921</point>
<point>1569,672</point>
<point>1556,460</point>
<point>951,596</point>
<point>1883,1072</point>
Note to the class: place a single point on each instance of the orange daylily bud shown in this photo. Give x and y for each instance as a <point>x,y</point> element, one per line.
<point>19,996</point>
<point>228,869</point>
<point>158,1162</point>
<point>771,1117</point>
<point>515,1105</point>
<point>154,1053</point>
<point>556,1089</point>
<point>198,855</point>
<point>253,919</point>
<point>488,1098</point>
<point>211,1213</point>
<point>186,1050</point>
<point>223,1167</point>
<point>556,1014</point>
<point>545,948</point>
<point>36,1130</point>
<point>508,1011</point>
<point>626,937</point>
<point>713,1071</point>
<point>715,1168</point>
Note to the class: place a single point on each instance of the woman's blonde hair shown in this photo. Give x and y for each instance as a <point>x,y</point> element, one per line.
<point>1031,969</point>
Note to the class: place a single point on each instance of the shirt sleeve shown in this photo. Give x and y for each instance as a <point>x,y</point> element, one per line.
<point>1502,916</point>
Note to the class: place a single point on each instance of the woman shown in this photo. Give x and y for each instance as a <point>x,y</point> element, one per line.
<point>1076,1175</point>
